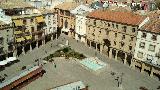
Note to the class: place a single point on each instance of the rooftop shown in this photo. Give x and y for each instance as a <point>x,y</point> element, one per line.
<point>10,4</point>
<point>124,17</point>
<point>152,26</point>
<point>67,5</point>
<point>25,16</point>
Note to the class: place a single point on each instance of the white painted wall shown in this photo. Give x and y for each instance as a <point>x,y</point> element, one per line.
<point>80,27</point>
<point>51,22</point>
<point>148,40</point>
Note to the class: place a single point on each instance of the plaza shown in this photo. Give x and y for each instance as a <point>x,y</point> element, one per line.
<point>67,71</point>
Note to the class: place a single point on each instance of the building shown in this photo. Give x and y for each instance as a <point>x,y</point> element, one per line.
<point>6,36</point>
<point>66,20</point>
<point>6,40</point>
<point>113,33</point>
<point>80,27</point>
<point>51,24</point>
<point>28,26</point>
<point>147,49</point>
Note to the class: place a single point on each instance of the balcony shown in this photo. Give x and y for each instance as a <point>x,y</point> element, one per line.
<point>17,32</point>
<point>20,39</point>
<point>28,37</point>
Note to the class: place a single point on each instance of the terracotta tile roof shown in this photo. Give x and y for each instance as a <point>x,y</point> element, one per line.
<point>45,11</point>
<point>152,26</point>
<point>67,5</point>
<point>124,17</point>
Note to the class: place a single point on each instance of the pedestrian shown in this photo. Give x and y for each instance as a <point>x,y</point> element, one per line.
<point>45,51</point>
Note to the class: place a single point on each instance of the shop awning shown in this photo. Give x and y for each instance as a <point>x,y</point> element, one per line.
<point>29,37</point>
<point>11,59</point>
<point>18,22</point>
<point>20,39</point>
<point>17,32</point>
<point>4,62</point>
<point>40,19</point>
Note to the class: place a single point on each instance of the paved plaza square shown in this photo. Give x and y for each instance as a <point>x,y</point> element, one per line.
<point>70,70</point>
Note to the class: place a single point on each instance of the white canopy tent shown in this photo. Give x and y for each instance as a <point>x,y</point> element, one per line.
<point>4,62</point>
<point>11,59</point>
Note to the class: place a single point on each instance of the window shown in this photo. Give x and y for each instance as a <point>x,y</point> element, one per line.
<point>117,26</point>
<point>130,47</point>
<point>142,45</point>
<point>124,28</point>
<point>123,37</point>
<point>67,13</point>
<point>61,12</point>
<point>31,20</point>
<point>151,48</point>
<point>154,37</point>
<point>133,29</point>
<point>24,21</point>
<point>95,22</point>
<point>93,34</point>
<point>132,38</point>
<point>140,54</point>
<point>149,58</point>
<point>114,42</point>
<point>32,28</point>
<point>109,25</point>
<point>122,44</point>
<point>143,35</point>
<point>113,25</point>
<point>66,24</point>
<point>115,34</point>
<point>107,32</point>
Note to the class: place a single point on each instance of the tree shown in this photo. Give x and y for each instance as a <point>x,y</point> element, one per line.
<point>157,3</point>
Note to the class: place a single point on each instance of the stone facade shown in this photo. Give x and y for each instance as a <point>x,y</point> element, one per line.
<point>114,38</point>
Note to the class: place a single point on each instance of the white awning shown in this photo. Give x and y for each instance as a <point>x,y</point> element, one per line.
<point>11,59</point>
<point>4,62</point>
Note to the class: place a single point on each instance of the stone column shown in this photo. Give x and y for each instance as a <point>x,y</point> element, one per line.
<point>110,53</point>
<point>143,66</point>
<point>52,37</point>
<point>15,53</point>
<point>37,44</point>
<point>101,48</point>
<point>30,47</point>
<point>132,63</point>
<point>116,56</point>
<point>125,58</point>
<point>23,51</point>
<point>152,70</point>
<point>43,41</point>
